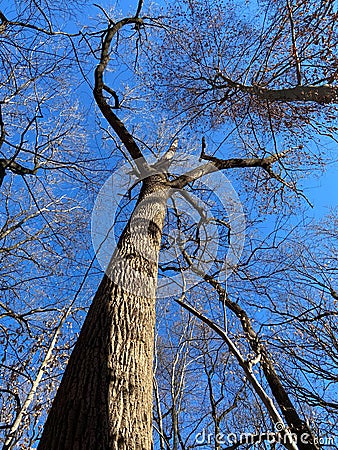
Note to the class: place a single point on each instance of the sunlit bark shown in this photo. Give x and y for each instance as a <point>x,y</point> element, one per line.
<point>105,397</point>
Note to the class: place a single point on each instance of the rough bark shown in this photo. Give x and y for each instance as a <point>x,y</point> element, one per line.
<point>317,94</point>
<point>323,94</point>
<point>105,397</point>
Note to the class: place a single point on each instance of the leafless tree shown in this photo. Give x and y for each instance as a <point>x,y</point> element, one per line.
<point>244,96</point>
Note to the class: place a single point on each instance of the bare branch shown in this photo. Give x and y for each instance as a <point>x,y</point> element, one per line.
<point>105,108</point>
<point>4,22</point>
<point>139,7</point>
<point>14,167</point>
<point>44,364</point>
<point>267,401</point>
<point>164,162</point>
<point>294,45</point>
<point>104,12</point>
<point>296,424</point>
<point>323,94</point>
<point>2,129</point>
<point>216,164</point>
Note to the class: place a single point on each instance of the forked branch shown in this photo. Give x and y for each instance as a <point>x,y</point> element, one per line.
<point>14,167</point>
<point>216,164</point>
<point>247,368</point>
<point>292,418</point>
<point>99,86</point>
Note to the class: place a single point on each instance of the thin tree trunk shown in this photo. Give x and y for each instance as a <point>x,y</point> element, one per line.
<point>105,397</point>
<point>305,437</point>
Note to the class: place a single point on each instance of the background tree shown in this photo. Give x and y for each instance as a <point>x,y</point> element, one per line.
<point>45,187</point>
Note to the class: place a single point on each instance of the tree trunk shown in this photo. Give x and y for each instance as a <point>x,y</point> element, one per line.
<point>105,397</point>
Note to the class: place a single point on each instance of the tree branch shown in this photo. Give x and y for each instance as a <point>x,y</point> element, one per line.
<point>14,167</point>
<point>2,129</point>
<point>44,364</point>
<point>4,22</point>
<point>267,401</point>
<point>105,108</point>
<point>294,44</point>
<point>50,32</point>
<point>323,94</point>
<point>296,424</point>
<point>216,164</point>
<point>139,7</point>
<point>164,162</point>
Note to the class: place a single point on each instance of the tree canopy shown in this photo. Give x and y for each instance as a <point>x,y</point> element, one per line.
<point>180,139</point>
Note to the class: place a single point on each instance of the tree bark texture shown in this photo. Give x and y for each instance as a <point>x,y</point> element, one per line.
<point>105,397</point>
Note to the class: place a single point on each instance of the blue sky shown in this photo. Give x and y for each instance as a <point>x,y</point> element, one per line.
<point>323,191</point>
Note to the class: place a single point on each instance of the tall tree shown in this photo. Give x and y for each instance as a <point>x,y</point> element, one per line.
<point>44,167</point>
<point>212,72</point>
